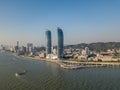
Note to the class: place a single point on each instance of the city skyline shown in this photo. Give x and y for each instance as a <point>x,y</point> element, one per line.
<point>82,21</point>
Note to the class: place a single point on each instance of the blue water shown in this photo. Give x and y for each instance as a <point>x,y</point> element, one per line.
<point>49,76</point>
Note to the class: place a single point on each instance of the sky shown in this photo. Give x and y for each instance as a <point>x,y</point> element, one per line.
<point>82,21</point>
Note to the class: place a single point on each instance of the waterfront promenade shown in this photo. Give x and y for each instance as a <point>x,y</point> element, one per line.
<point>66,64</point>
<point>79,65</point>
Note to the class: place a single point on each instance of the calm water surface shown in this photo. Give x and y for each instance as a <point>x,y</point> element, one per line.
<point>49,76</point>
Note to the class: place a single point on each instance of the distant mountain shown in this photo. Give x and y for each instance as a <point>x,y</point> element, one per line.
<point>99,46</point>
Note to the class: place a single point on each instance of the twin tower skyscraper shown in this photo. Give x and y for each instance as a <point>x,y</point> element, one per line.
<point>60,43</point>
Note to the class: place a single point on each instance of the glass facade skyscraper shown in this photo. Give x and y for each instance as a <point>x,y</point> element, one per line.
<point>48,42</point>
<point>60,42</point>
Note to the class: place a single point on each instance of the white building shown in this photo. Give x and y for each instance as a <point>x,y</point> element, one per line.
<point>86,51</point>
<point>52,56</point>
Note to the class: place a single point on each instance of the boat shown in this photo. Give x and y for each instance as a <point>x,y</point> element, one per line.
<point>20,73</point>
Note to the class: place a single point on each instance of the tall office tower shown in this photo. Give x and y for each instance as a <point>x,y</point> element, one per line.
<point>48,42</point>
<point>18,44</point>
<point>60,43</point>
<point>29,47</point>
<point>17,47</point>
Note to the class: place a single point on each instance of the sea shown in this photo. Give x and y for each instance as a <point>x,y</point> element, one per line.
<point>43,75</point>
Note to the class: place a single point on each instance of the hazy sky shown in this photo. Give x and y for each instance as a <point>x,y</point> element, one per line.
<point>82,21</point>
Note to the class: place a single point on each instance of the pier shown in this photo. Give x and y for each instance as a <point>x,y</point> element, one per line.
<point>79,65</point>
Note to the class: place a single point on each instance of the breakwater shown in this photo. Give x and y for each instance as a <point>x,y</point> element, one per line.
<point>79,65</point>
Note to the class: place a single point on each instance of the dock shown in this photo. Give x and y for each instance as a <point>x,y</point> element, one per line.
<point>79,65</point>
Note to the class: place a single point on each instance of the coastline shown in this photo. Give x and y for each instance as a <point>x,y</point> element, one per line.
<point>73,64</point>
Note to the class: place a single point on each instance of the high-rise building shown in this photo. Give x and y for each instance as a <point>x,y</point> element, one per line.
<point>48,42</point>
<point>60,43</point>
<point>17,47</point>
<point>29,48</point>
<point>18,44</point>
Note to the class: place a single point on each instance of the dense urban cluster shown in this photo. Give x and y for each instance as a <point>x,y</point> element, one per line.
<point>61,52</point>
